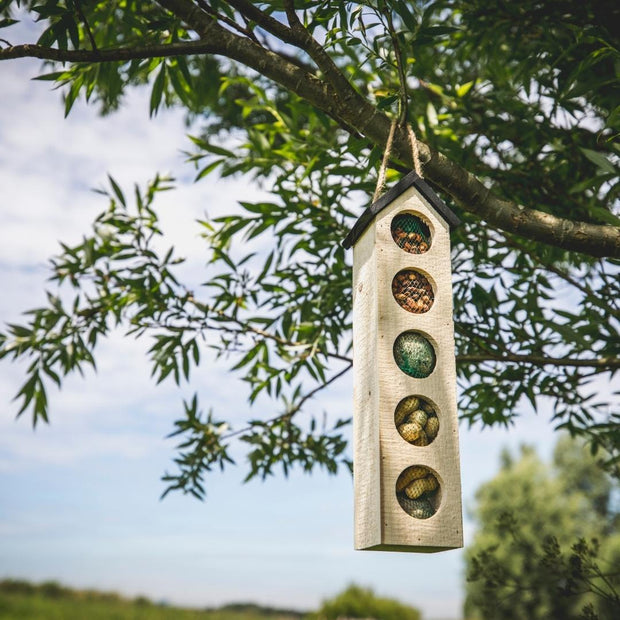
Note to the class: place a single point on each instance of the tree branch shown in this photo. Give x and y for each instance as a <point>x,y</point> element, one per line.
<point>340,100</point>
<point>602,363</point>
<point>230,22</point>
<point>354,110</point>
<point>265,21</point>
<point>118,54</point>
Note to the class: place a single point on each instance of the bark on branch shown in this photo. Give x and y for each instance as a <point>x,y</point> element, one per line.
<point>118,54</point>
<point>602,363</point>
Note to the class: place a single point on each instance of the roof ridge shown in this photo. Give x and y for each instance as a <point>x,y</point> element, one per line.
<point>409,180</point>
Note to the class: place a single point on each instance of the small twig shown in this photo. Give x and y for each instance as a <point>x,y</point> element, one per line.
<point>246,327</point>
<point>297,408</point>
<point>403,99</point>
<point>226,20</point>
<point>585,289</point>
<point>291,15</point>
<point>78,8</point>
<point>249,29</point>
<point>477,339</point>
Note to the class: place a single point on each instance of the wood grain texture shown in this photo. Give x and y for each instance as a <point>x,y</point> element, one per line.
<point>366,444</point>
<point>380,385</point>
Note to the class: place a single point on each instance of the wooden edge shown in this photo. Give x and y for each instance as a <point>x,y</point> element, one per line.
<point>408,548</point>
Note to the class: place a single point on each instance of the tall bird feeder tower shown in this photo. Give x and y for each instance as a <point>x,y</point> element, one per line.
<point>406,461</point>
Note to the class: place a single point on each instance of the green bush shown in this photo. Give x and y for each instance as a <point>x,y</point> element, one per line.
<point>548,540</point>
<point>52,589</point>
<point>357,602</point>
<point>17,586</point>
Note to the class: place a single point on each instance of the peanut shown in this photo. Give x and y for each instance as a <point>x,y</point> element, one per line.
<point>432,427</point>
<point>427,407</point>
<point>418,417</point>
<point>422,440</point>
<point>410,432</point>
<point>420,486</point>
<point>410,474</point>
<point>405,409</point>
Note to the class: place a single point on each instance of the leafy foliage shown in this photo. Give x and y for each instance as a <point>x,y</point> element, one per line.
<point>22,599</point>
<point>548,543</point>
<point>524,96</point>
<point>357,602</point>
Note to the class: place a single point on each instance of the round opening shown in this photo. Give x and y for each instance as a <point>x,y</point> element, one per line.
<point>416,421</point>
<point>418,491</point>
<point>414,354</point>
<point>411,233</point>
<point>412,291</point>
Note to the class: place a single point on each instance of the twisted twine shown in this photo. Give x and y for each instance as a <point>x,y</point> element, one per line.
<point>415,156</point>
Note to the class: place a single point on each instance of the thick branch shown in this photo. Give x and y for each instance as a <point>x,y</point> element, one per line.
<point>108,55</point>
<point>304,40</point>
<point>602,363</point>
<point>593,239</point>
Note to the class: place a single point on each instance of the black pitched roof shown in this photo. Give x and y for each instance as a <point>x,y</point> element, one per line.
<point>409,180</point>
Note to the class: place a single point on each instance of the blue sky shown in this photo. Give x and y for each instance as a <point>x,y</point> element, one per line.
<point>79,499</point>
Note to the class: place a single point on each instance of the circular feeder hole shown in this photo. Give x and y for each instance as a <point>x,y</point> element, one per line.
<point>414,354</point>
<point>411,233</point>
<point>412,291</point>
<point>416,420</point>
<point>418,491</point>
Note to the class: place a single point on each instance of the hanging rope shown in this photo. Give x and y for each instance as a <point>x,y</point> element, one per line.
<point>415,152</point>
<point>415,156</point>
<point>384,162</point>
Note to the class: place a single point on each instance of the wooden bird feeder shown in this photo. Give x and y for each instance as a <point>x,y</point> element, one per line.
<point>406,454</point>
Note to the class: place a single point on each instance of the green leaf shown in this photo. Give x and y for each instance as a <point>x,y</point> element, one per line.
<point>431,115</point>
<point>463,89</point>
<point>158,89</point>
<point>117,191</point>
<point>599,160</point>
<point>209,169</point>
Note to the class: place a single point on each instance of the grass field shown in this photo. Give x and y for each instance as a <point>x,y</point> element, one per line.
<point>20,600</point>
